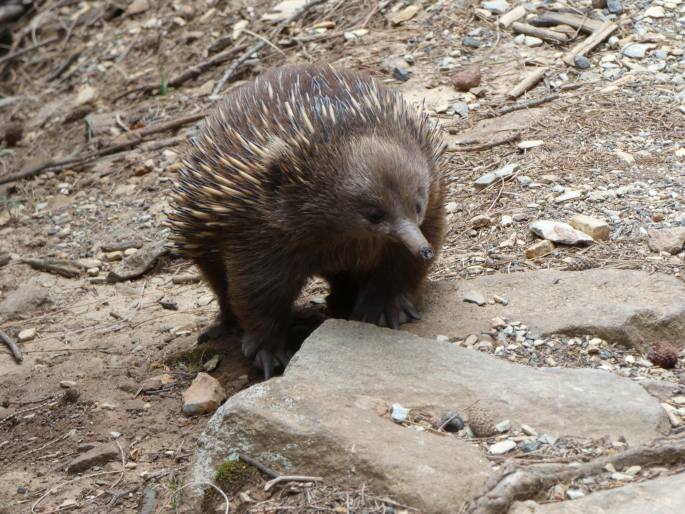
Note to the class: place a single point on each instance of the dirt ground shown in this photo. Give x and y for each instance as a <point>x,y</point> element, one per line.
<point>88,375</point>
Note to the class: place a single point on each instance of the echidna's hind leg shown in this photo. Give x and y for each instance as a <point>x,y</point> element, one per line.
<point>344,291</point>
<point>214,271</point>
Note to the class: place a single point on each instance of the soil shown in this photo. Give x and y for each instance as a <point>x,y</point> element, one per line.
<point>110,338</point>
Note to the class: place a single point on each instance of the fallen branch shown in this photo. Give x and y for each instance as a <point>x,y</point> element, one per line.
<point>549,19</point>
<point>261,44</point>
<point>132,139</point>
<point>12,344</point>
<point>514,15</point>
<point>61,267</point>
<point>585,46</point>
<point>527,83</point>
<point>527,105</point>
<point>501,139</point>
<point>290,478</point>
<point>188,74</point>
<point>547,34</point>
<point>518,484</point>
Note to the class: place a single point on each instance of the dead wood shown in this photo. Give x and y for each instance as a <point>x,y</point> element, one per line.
<point>64,268</point>
<point>18,53</point>
<point>132,139</point>
<point>585,46</point>
<point>527,83</point>
<point>501,138</point>
<point>528,104</point>
<point>547,34</point>
<point>549,19</point>
<point>511,16</point>
<point>12,345</point>
<point>524,483</point>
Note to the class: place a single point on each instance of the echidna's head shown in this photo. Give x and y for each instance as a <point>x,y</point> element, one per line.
<point>385,191</point>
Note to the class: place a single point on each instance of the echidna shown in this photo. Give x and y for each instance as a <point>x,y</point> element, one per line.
<point>310,170</point>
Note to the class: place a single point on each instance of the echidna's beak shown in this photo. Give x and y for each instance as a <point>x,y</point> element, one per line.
<point>412,237</point>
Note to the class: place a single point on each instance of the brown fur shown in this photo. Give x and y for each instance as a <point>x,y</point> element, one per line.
<point>280,185</point>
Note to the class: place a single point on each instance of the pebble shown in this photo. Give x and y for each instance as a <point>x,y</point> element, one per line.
<point>93,272</point>
<point>502,447</point>
<point>115,435</point>
<point>574,494</point>
<point>205,394</point>
<point>481,221</point>
<point>527,145</point>
<point>506,221</point>
<point>398,413</point>
<point>114,256</point>
<point>442,338</point>
<point>633,470</point>
<point>567,196</point>
<point>400,73</point>
<point>452,421</point>
<point>471,42</point>
<point>67,384</point>
<point>212,363</point>
<point>539,249</point>
<point>107,405</point>
<point>461,108</point>
<point>496,6</point>
<point>451,207</point>
<point>621,477</point>
<point>595,228</point>
<point>466,78</point>
<point>530,446</point>
<point>559,232</point>
<point>672,415</point>
<point>656,11</point>
<point>26,335</point>
<point>503,426</point>
<point>524,180</point>
<point>581,62</point>
<point>547,439</point>
<point>498,323</point>
<point>490,178</point>
<point>528,430</point>
<point>637,50</point>
<point>500,299</point>
<point>614,7</point>
<point>532,41</point>
<point>475,297</point>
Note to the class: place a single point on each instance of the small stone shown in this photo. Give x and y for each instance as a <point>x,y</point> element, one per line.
<point>400,73</point>
<point>481,221</point>
<point>137,7</point>
<point>621,477</point>
<point>67,505</point>
<point>595,228</point>
<point>85,95</point>
<point>528,430</point>
<point>503,426</point>
<point>205,394</point>
<point>669,240</point>
<point>405,14</point>
<point>500,299</point>
<point>442,338</point>
<point>637,50</point>
<point>498,323</point>
<point>559,232</point>
<point>663,354</point>
<point>673,417</point>
<point>471,340</point>
<point>490,178</point>
<point>114,256</point>
<point>398,413</point>
<point>656,11</point>
<point>506,221</point>
<point>496,6</point>
<point>26,335</point>
<point>475,297</point>
<point>107,405</point>
<point>502,447</point>
<point>574,494</point>
<point>130,251</point>
<point>547,439</point>
<point>530,446</point>
<point>633,470</point>
<point>67,384</point>
<point>131,465</point>
<point>22,490</point>
<point>96,456</point>
<point>581,62</point>
<point>680,152</point>
<point>532,41</point>
<point>461,108</point>
<point>678,400</point>
<point>93,272</point>
<point>524,180</point>
<point>452,421</point>
<point>567,196</point>
<point>212,363</point>
<point>115,435</point>
<point>471,42</point>
<point>539,249</point>
<point>466,78</point>
<point>353,35</point>
<point>527,145</point>
<point>451,207</point>
<point>614,6</point>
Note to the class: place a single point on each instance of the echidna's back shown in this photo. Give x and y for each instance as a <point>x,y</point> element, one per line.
<point>264,134</point>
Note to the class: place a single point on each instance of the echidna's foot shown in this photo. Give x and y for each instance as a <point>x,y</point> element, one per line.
<point>374,307</point>
<point>217,330</point>
<point>267,357</point>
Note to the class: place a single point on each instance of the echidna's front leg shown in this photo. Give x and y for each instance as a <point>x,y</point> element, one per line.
<point>262,300</point>
<point>213,270</point>
<point>386,294</point>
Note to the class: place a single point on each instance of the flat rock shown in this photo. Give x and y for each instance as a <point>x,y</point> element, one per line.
<point>97,456</point>
<point>329,413</point>
<point>669,240</point>
<point>559,232</point>
<point>139,263</point>
<point>22,301</point>
<point>620,306</point>
<point>662,495</point>
<point>204,395</point>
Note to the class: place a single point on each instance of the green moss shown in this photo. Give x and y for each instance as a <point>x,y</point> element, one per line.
<point>191,360</point>
<point>232,474</point>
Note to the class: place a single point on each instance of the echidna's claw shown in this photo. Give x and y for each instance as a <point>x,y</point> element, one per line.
<point>384,312</point>
<point>217,330</point>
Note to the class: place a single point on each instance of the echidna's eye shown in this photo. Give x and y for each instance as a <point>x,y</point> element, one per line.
<point>375,217</point>
<point>418,208</point>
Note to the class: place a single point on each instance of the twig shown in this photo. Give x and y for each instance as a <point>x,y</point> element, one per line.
<point>56,440</point>
<point>372,13</point>
<point>64,66</point>
<point>576,21</point>
<point>123,465</point>
<point>592,41</point>
<point>510,17</point>
<point>501,140</point>
<point>261,44</point>
<point>527,83</point>
<point>546,34</point>
<point>262,38</point>
<point>12,344</point>
<point>261,467</point>
<point>200,483</point>
<point>133,139</point>
<point>290,478</point>
<point>527,105</point>
<point>10,57</point>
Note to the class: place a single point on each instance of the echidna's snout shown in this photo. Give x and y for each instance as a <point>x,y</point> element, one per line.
<point>412,237</point>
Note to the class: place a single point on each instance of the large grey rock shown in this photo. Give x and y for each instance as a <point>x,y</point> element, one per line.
<point>327,415</point>
<point>664,495</point>
<point>22,301</point>
<point>621,306</point>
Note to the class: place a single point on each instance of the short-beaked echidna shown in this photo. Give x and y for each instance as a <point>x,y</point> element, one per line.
<point>306,171</point>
